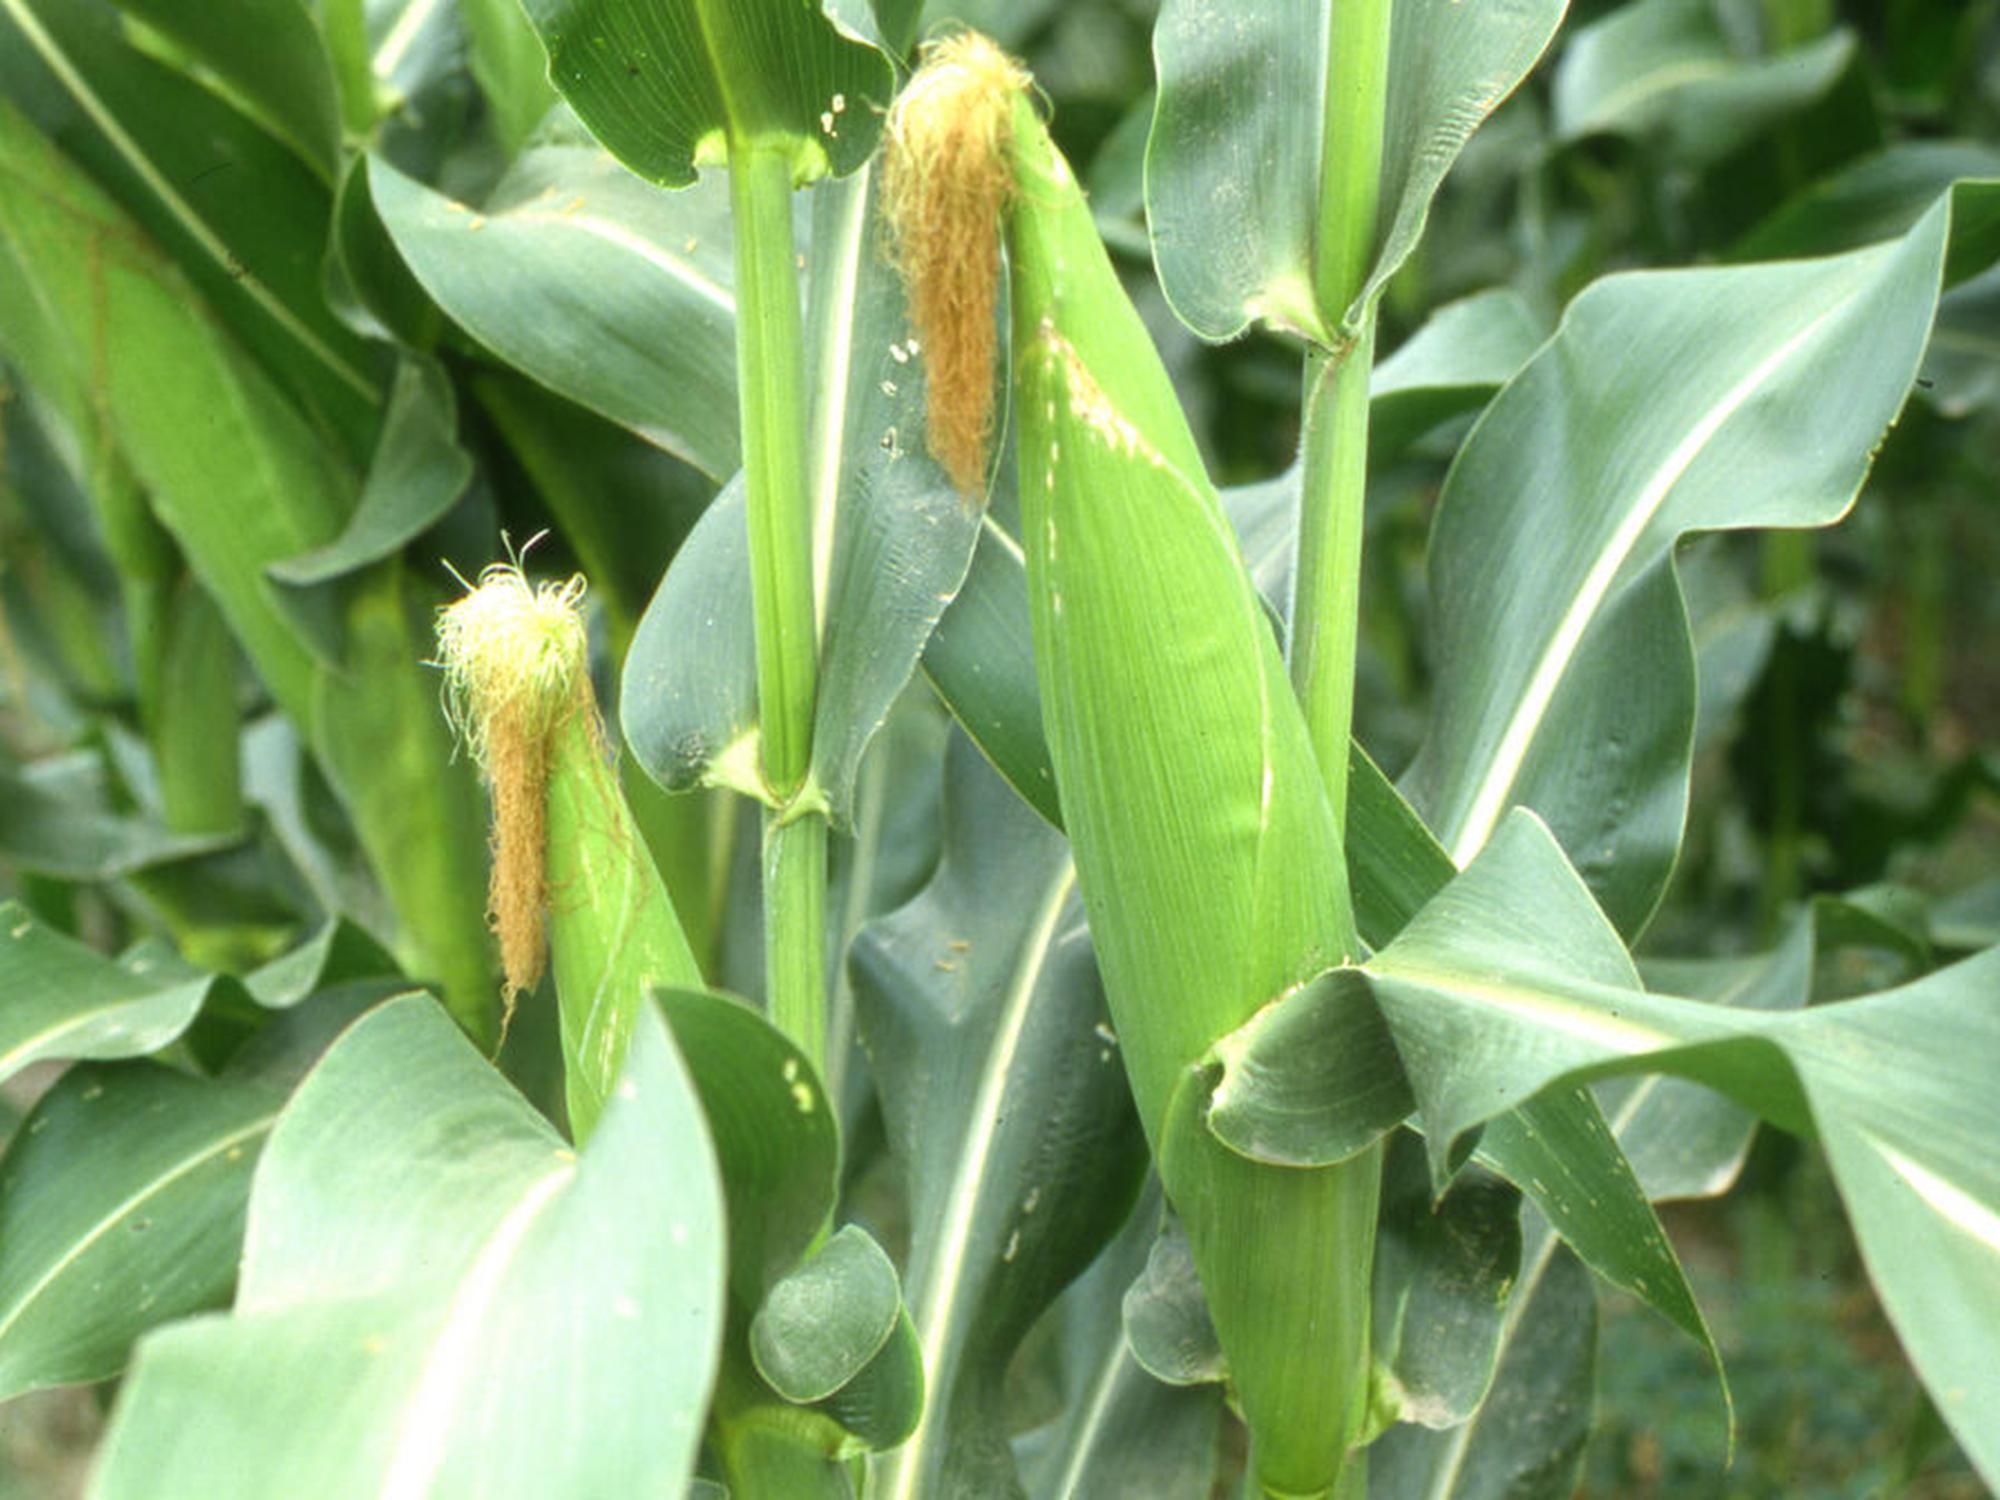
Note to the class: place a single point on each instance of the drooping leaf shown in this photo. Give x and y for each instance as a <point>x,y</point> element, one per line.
<point>601,286</point>
<point>1121,1431</point>
<point>979,1006</point>
<point>1666,66</point>
<point>418,473</point>
<point>121,1208</point>
<point>242,216</point>
<point>1526,1441</point>
<point>1443,1269</point>
<point>1512,982</point>
<point>664,84</point>
<point>1667,402</point>
<point>273,60</point>
<point>242,479</point>
<point>64,1001</point>
<point>1232,169</point>
<point>57,819</point>
<point>438,1297</point>
<point>893,540</point>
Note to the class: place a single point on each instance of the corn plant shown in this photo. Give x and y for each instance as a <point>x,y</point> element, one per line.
<point>687,810</point>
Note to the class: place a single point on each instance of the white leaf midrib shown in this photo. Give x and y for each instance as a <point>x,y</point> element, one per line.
<point>124,1210</point>
<point>934,1321</point>
<point>1503,770</point>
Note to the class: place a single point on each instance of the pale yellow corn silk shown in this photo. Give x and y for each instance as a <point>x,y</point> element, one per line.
<point>516,669</point>
<point>946,182</point>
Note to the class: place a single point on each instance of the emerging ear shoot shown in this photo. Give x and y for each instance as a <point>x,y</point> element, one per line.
<point>946,182</point>
<point>514,660</point>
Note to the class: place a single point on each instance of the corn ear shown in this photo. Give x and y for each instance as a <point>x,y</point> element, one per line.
<point>1207,854</point>
<point>568,857</point>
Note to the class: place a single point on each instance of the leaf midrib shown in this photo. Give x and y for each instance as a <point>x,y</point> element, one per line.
<point>124,1209</point>
<point>196,227</point>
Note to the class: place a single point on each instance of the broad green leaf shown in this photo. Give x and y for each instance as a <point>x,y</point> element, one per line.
<point>64,1001</point>
<point>1443,1269</point>
<point>439,1298</point>
<point>1232,169</point>
<point>1315,1077</point>
<point>121,1208</point>
<point>1527,1439</point>
<point>270,61</point>
<point>1512,981</point>
<point>418,473</point>
<point>1121,1432</point>
<point>339,953</point>
<point>1667,402</point>
<point>1881,197</point>
<point>1167,1323</point>
<point>1666,66</point>
<point>825,1329</point>
<point>57,818</point>
<point>368,283</point>
<point>979,1006</point>
<point>823,1323</point>
<point>776,1139</point>
<point>241,480</point>
<point>893,540</point>
<point>601,286</point>
<point>512,68</point>
<point>242,216</point>
<point>1464,352</point>
<point>666,84</point>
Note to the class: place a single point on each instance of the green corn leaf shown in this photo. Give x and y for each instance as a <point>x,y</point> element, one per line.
<point>58,818</point>
<point>270,59</point>
<point>1512,981</point>
<point>241,480</point>
<point>1666,67</point>
<point>894,541</point>
<point>597,284</point>
<point>64,1001</point>
<point>818,1324</point>
<point>1443,1269</point>
<point>1122,1431</point>
<point>1667,402</point>
<point>243,216</point>
<point>775,1137</point>
<point>439,1298</point>
<point>1882,197</point>
<point>980,1009</point>
<point>1233,166</point>
<point>823,1324</point>
<point>512,68</point>
<point>418,473</point>
<point>1526,1441</point>
<point>665,83</point>
<point>121,1208</point>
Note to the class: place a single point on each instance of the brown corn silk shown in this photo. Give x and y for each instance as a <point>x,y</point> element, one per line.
<point>514,661</point>
<point>945,185</point>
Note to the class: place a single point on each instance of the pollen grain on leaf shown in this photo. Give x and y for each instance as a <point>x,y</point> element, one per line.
<point>514,659</point>
<point>946,183</point>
